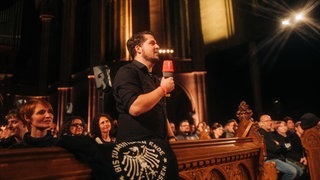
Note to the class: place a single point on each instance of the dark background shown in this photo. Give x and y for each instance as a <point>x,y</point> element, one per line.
<point>288,81</point>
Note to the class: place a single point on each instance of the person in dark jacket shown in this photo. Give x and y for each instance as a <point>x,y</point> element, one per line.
<point>274,149</point>
<point>282,136</point>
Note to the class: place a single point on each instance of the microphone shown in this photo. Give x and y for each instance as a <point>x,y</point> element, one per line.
<point>167,68</point>
<point>167,71</point>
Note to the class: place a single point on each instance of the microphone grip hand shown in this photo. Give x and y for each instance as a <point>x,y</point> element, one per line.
<point>167,83</point>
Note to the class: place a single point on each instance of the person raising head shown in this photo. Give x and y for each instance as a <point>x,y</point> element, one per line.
<point>141,104</point>
<point>101,129</point>
<point>275,151</point>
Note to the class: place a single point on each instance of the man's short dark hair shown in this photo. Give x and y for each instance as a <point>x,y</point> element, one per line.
<point>136,39</point>
<point>287,118</point>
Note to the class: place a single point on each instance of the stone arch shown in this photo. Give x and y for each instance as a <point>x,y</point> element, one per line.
<point>193,86</point>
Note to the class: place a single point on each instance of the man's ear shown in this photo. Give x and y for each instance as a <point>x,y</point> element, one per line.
<point>138,49</point>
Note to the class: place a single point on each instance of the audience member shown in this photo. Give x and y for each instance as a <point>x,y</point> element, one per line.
<point>297,152</point>
<point>102,129</point>
<point>299,131</point>
<point>193,129</point>
<point>38,114</point>
<point>1,132</point>
<point>74,138</point>
<point>282,137</point>
<point>74,126</point>
<point>54,130</point>
<point>229,128</point>
<point>274,150</point>
<point>5,133</point>
<point>184,131</point>
<point>173,128</point>
<point>309,120</point>
<point>17,128</point>
<point>274,125</point>
<point>290,123</point>
<point>203,131</point>
<point>216,130</point>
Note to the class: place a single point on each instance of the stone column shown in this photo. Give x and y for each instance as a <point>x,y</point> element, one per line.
<point>46,20</point>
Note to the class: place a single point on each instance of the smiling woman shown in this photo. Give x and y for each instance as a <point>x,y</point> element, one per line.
<point>39,115</point>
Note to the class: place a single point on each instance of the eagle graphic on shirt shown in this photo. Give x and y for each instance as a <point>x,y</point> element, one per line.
<point>140,162</point>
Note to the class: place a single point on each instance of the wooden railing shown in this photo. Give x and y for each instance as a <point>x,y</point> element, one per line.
<point>234,158</point>
<point>41,163</point>
<point>311,142</point>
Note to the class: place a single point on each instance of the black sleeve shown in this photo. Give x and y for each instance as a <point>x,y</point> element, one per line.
<point>87,151</point>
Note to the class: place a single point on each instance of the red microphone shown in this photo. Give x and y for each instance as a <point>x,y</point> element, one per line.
<point>167,68</point>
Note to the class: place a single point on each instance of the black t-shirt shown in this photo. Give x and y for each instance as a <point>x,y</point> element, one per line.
<point>131,81</point>
<point>8,142</point>
<point>274,150</point>
<point>28,141</point>
<point>297,151</point>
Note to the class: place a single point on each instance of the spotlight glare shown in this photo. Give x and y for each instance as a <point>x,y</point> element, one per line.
<point>285,22</point>
<point>299,17</point>
<point>166,51</point>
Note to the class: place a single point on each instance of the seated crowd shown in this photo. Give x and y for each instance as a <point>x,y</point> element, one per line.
<point>32,125</point>
<point>203,131</point>
<point>284,146</point>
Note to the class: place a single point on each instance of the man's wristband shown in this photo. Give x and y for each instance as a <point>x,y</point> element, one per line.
<point>164,90</point>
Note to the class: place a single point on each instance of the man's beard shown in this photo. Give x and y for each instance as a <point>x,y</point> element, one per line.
<point>151,59</point>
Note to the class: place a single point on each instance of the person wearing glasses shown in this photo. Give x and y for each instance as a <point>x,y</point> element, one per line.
<point>74,137</point>
<point>74,126</point>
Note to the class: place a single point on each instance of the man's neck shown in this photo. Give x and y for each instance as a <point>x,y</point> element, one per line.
<point>147,63</point>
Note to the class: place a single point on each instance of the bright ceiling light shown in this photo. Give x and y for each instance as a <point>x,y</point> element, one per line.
<point>285,22</point>
<point>299,17</point>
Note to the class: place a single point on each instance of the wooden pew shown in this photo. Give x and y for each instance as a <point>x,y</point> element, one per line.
<point>311,142</point>
<point>41,163</point>
<point>267,170</point>
<point>249,128</point>
<point>234,158</point>
<point>225,158</point>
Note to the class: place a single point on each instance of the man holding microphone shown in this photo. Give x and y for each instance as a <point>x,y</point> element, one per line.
<point>143,149</point>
